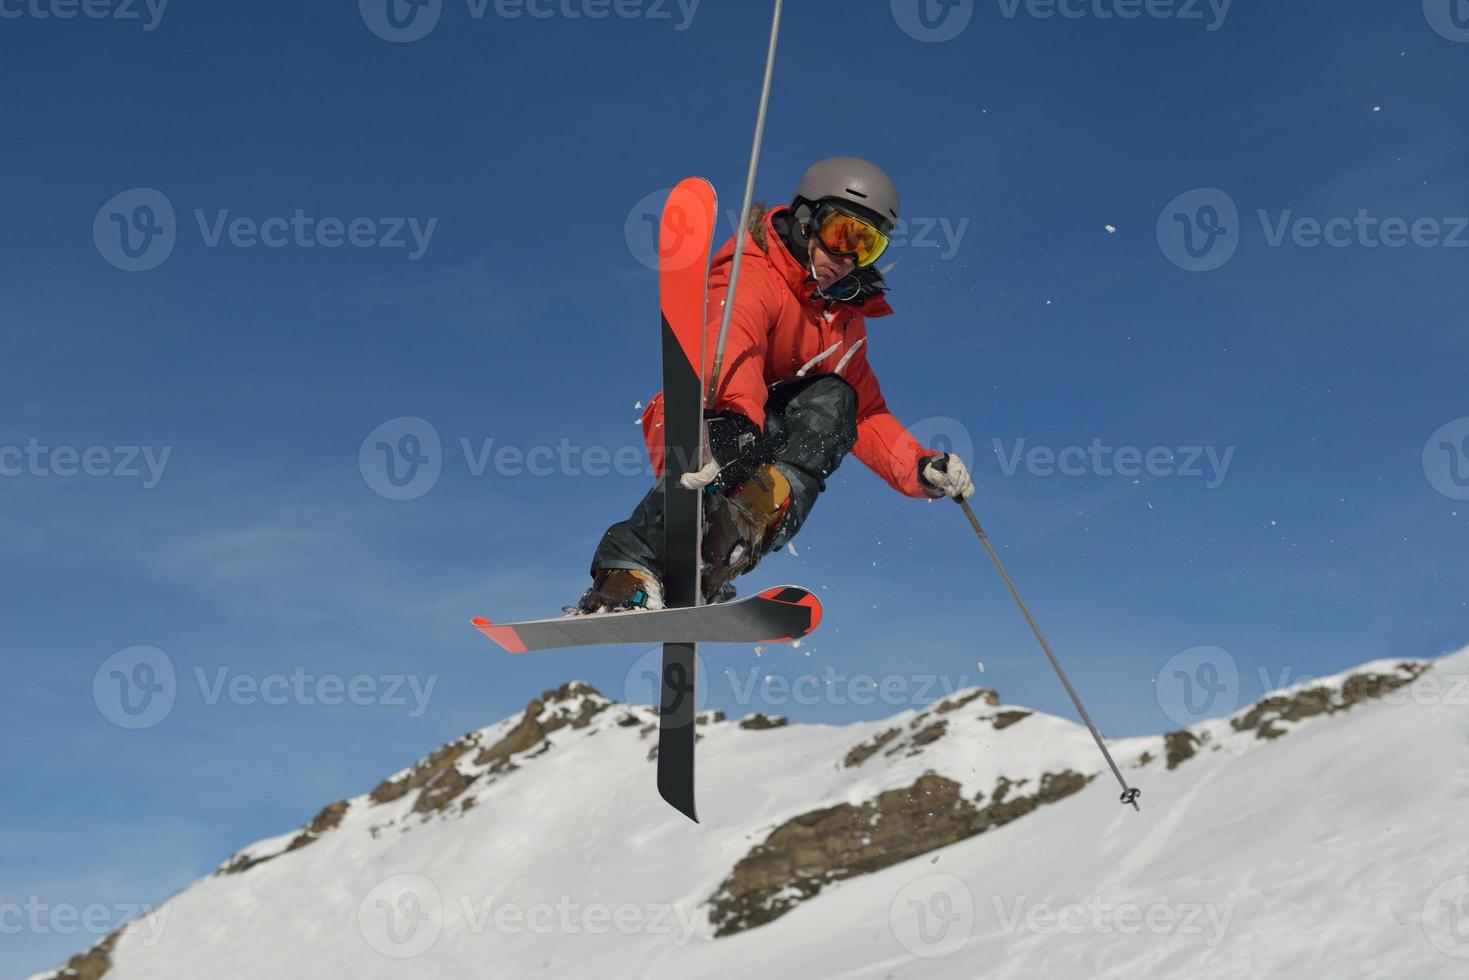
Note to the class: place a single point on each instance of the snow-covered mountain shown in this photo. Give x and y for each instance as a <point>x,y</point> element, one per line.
<point>1319,832</point>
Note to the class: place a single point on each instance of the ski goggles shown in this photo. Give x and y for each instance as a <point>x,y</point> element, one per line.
<point>845,235</point>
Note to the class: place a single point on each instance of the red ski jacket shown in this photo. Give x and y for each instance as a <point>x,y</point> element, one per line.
<point>778,328</point>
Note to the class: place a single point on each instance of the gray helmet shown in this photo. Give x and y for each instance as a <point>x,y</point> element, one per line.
<point>856,182</point>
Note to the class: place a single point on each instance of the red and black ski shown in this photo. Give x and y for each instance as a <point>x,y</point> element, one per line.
<point>685,235</point>
<point>777,615</point>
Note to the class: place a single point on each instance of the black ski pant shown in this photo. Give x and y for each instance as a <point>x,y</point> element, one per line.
<point>810,427</point>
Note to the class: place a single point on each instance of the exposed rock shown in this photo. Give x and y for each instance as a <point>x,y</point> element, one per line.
<point>709,718</point>
<point>1005,719</point>
<point>1144,759</point>
<point>958,701</point>
<point>921,738</point>
<point>91,965</point>
<point>327,820</point>
<point>1179,747</point>
<point>758,722</point>
<point>810,851</point>
<point>1262,718</point>
<point>869,748</point>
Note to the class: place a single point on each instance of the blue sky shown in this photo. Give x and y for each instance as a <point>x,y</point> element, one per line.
<point>522,149</point>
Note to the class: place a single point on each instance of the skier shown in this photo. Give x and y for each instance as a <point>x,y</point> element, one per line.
<point>796,395</point>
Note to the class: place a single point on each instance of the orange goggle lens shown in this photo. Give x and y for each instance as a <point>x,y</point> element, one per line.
<point>843,234</point>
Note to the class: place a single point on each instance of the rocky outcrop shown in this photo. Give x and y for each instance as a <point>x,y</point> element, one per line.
<point>1004,719</point>
<point>758,722</point>
<point>809,852</point>
<point>91,965</point>
<point>1179,747</point>
<point>1264,718</point>
<point>866,750</point>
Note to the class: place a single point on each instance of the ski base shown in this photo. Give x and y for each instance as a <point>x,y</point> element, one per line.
<point>777,615</point>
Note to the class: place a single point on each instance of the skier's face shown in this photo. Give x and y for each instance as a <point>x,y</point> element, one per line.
<point>829,269</point>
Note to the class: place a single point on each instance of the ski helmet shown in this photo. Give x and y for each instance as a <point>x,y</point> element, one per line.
<point>857,183</point>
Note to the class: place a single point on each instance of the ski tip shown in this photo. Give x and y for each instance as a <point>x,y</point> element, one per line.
<point>794,595</point>
<point>503,635</point>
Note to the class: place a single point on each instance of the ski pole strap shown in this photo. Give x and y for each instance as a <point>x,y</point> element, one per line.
<point>1129,793</point>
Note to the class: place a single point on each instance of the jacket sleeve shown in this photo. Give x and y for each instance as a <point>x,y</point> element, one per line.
<point>757,307</point>
<point>884,445</point>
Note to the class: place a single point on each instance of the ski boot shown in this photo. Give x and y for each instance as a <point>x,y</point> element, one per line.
<point>619,590</point>
<point>742,526</point>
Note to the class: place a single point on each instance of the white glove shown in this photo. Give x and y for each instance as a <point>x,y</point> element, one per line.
<point>946,476</point>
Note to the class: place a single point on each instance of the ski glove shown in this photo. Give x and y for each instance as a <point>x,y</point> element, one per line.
<point>729,438</point>
<point>945,476</point>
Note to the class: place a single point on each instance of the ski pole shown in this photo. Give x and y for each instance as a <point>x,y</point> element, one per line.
<point>1129,794</point>
<point>739,250</point>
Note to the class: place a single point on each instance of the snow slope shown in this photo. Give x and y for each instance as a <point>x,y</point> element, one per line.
<point>1335,849</point>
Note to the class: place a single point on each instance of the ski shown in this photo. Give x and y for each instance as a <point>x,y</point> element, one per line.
<point>685,235</point>
<point>777,615</point>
